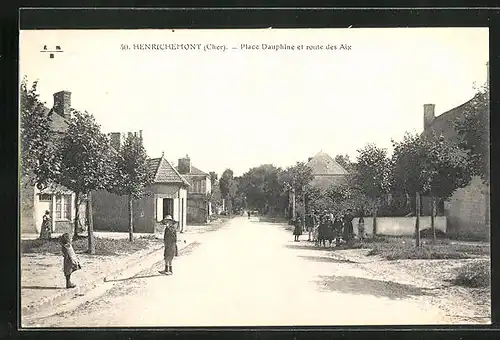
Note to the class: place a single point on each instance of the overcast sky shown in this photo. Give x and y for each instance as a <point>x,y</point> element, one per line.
<point>238,109</point>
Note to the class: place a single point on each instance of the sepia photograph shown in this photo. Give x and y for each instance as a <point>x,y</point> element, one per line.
<point>254,177</point>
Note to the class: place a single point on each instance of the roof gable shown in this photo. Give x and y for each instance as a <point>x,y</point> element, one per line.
<point>164,172</point>
<point>323,164</point>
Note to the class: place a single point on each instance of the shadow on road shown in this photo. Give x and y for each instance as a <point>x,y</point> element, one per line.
<point>41,287</point>
<point>364,286</point>
<point>326,259</point>
<point>135,277</point>
<point>304,246</point>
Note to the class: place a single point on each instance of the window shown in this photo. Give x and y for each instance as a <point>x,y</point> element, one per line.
<point>63,207</point>
<point>45,197</point>
<point>58,206</point>
<point>67,207</point>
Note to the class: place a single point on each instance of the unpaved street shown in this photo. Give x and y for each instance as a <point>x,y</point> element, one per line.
<point>251,273</point>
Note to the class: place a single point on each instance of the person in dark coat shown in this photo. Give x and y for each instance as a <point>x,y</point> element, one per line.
<point>248,213</point>
<point>297,230</point>
<point>323,229</point>
<point>337,227</point>
<point>348,227</point>
<point>170,242</point>
<point>45,230</point>
<point>70,262</point>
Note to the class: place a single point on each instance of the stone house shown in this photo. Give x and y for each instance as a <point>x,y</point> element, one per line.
<point>199,208</point>
<point>468,209</point>
<point>326,170</point>
<point>166,196</point>
<point>59,200</point>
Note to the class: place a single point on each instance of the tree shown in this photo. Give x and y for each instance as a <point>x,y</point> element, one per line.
<point>39,163</point>
<point>132,175</point>
<point>85,164</point>
<point>372,176</point>
<point>473,132</point>
<point>424,165</point>
<point>295,179</point>
<point>345,162</point>
<point>450,169</point>
<point>228,187</point>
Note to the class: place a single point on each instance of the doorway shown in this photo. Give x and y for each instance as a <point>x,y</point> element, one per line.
<point>168,207</point>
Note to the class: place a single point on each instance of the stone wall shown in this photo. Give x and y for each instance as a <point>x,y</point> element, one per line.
<point>400,226</point>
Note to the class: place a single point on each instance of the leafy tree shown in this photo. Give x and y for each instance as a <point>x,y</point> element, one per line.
<point>39,163</point>
<point>345,162</point>
<point>296,179</point>
<point>372,176</point>
<point>132,175</point>
<point>473,132</point>
<point>424,165</point>
<point>85,163</point>
<point>228,187</point>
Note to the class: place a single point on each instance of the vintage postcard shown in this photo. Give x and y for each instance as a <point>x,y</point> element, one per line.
<point>254,177</point>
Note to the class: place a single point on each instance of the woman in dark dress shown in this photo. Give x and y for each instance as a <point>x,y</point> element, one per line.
<point>337,227</point>
<point>297,230</point>
<point>45,231</point>
<point>348,227</point>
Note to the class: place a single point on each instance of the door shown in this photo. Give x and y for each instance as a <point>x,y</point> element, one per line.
<point>43,203</point>
<point>168,207</point>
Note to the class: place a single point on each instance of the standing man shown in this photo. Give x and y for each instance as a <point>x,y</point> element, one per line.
<point>170,242</point>
<point>348,227</point>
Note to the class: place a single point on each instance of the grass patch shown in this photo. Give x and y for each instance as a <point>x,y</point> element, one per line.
<point>103,246</point>
<point>474,275</point>
<point>399,248</point>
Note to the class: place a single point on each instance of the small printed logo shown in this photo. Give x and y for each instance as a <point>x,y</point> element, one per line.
<point>51,51</point>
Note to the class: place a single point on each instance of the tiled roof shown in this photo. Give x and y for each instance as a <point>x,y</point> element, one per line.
<point>164,172</point>
<point>194,172</point>
<point>57,123</point>
<point>323,164</point>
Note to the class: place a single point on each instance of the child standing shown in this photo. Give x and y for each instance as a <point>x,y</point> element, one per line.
<point>70,263</point>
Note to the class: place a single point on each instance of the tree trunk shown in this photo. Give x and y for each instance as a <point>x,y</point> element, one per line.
<point>294,213</point>
<point>375,208</point>
<point>417,220</point>
<point>91,225</point>
<point>130,219</point>
<point>433,213</point>
<point>77,215</point>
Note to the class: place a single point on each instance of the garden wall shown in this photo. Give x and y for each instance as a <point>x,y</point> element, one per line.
<point>400,226</point>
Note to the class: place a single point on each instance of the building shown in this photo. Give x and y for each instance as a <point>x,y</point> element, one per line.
<point>326,170</point>
<point>166,196</point>
<point>468,209</point>
<point>199,208</point>
<point>57,199</point>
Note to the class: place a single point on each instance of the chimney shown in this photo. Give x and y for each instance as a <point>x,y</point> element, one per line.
<point>184,165</point>
<point>428,115</point>
<point>140,135</point>
<point>62,103</point>
<point>115,140</point>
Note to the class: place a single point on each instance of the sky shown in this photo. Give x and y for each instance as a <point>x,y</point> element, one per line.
<point>240,108</point>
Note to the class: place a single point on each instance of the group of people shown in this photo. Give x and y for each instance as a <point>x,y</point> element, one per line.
<point>328,227</point>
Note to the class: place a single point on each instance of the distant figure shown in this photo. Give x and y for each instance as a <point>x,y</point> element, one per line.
<point>337,227</point>
<point>361,228</point>
<point>297,231</point>
<point>310,224</point>
<point>170,243</point>
<point>248,213</point>
<point>323,229</point>
<point>70,263</point>
<point>45,230</point>
<point>348,227</point>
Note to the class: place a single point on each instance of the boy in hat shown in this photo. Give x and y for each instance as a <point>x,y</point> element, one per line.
<point>170,242</point>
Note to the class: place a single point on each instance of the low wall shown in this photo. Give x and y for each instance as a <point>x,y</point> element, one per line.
<point>400,226</point>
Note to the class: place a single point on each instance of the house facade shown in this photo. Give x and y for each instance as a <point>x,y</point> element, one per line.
<point>326,170</point>
<point>57,199</point>
<point>199,209</point>
<point>166,196</point>
<point>468,209</point>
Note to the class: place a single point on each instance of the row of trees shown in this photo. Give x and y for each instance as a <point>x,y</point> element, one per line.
<point>81,160</point>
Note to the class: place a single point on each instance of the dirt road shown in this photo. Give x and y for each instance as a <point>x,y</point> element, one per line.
<point>251,273</point>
